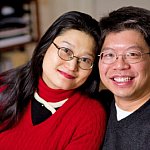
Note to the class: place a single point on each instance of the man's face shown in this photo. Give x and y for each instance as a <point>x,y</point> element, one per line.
<point>128,81</point>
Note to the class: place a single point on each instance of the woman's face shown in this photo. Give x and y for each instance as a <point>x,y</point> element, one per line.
<point>61,74</point>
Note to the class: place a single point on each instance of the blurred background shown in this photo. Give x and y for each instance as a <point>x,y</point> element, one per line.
<point>23,22</point>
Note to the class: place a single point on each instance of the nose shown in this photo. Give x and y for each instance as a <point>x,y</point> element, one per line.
<point>121,63</point>
<point>72,64</point>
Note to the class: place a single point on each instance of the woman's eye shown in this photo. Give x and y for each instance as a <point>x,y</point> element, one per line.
<point>86,60</point>
<point>67,51</point>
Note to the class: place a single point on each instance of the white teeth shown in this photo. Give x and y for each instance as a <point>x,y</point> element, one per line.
<point>122,79</point>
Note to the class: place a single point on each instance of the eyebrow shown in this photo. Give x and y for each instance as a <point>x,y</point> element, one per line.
<point>136,47</point>
<point>131,47</point>
<point>107,48</point>
<point>73,47</point>
<point>68,43</point>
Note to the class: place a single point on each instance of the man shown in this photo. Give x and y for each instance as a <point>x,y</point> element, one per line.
<point>124,67</point>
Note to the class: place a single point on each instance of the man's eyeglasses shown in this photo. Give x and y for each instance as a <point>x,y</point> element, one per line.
<point>67,55</point>
<point>109,56</point>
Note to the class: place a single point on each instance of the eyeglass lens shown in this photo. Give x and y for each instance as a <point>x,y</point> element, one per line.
<point>67,55</point>
<point>109,57</point>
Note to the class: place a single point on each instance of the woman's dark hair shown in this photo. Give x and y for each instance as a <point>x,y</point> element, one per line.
<point>126,18</point>
<point>18,84</point>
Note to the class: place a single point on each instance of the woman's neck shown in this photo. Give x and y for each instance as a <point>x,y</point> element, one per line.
<point>52,95</point>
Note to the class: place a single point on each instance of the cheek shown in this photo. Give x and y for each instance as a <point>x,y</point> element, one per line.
<point>102,69</point>
<point>50,59</point>
<point>104,74</point>
<point>143,71</point>
<point>46,63</point>
<point>49,64</point>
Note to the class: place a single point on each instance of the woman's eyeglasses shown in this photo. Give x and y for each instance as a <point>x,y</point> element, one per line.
<point>67,55</point>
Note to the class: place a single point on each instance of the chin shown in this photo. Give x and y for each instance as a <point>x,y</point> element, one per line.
<point>65,88</point>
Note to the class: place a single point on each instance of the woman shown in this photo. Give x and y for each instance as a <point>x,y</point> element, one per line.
<point>47,104</point>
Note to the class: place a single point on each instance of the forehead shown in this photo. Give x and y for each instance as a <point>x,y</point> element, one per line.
<point>124,40</point>
<point>76,40</point>
<point>74,33</point>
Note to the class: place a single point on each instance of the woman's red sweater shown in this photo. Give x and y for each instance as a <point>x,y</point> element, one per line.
<point>77,125</point>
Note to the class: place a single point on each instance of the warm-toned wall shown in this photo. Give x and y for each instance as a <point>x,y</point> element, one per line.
<point>51,9</point>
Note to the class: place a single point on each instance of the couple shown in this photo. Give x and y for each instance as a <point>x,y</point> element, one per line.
<point>50,102</point>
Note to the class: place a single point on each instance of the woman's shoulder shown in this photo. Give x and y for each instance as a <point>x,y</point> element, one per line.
<point>91,104</point>
<point>98,103</point>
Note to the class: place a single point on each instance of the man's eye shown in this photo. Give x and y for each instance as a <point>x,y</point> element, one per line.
<point>133,54</point>
<point>109,55</point>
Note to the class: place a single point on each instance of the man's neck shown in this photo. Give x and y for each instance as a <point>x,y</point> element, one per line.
<point>131,105</point>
